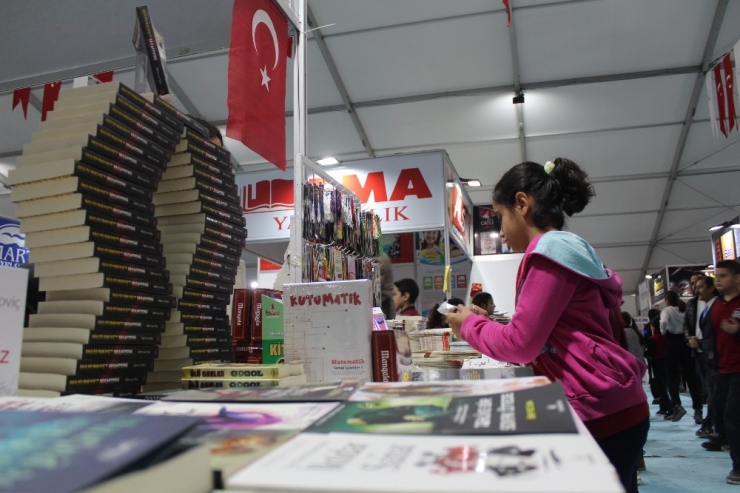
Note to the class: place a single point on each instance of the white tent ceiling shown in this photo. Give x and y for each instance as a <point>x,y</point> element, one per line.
<point>607,83</point>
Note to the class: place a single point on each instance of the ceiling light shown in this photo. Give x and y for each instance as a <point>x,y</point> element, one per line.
<point>449,184</point>
<point>518,99</point>
<point>648,276</point>
<point>254,285</point>
<point>328,161</point>
<point>494,235</point>
<point>715,228</point>
<point>472,182</point>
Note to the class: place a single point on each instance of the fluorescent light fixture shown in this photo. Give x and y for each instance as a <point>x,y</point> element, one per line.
<point>735,226</point>
<point>328,161</point>
<point>494,235</point>
<point>254,284</point>
<point>473,183</point>
<point>715,228</point>
<point>648,276</point>
<point>449,184</point>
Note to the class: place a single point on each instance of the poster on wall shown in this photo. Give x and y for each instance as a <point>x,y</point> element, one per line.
<point>657,287</point>
<point>430,270</point>
<point>399,247</point>
<point>486,233</point>
<point>12,251</point>
<point>679,279</point>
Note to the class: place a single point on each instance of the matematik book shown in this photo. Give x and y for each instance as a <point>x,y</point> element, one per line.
<point>356,463</point>
<point>540,409</point>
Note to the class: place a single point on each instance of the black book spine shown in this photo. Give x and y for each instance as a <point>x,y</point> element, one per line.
<point>186,120</point>
<point>213,222</point>
<point>87,367</point>
<point>196,150</point>
<point>111,151</point>
<point>213,245</point>
<point>109,179</point>
<point>133,284</point>
<point>146,126</point>
<point>212,275</point>
<point>212,265</point>
<point>206,351</point>
<point>207,330</point>
<point>123,353</point>
<point>105,381</point>
<point>207,341</point>
<point>174,125</point>
<point>218,234</point>
<point>155,61</point>
<point>144,113</point>
<point>227,205</point>
<point>131,147</point>
<point>217,256</point>
<point>226,174</point>
<point>129,324</point>
<point>143,206</point>
<point>117,212</point>
<point>96,160</point>
<point>108,391</point>
<point>134,270</point>
<point>128,133</point>
<point>205,143</point>
<point>202,318</point>
<point>186,306</point>
<point>106,238</point>
<point>231,197</point>
<point>103,337</point>
<point>142,299</point>
<point>131,256</point>
<point>207,285</point>
<point>220,180</point>
<point>235,218</point>
<point>190,294</point>
<point>96,220</point>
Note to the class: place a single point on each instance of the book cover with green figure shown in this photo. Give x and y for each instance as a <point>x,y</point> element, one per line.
<point>273,332</point>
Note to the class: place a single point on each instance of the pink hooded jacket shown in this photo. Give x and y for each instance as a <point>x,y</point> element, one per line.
<point>561,327</point>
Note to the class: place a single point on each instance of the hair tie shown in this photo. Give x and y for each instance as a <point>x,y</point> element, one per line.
<point>549,166</point>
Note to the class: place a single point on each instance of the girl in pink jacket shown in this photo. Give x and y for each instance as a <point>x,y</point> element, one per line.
<point>561,323</point>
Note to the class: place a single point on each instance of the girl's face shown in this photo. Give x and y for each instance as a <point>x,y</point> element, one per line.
<point>431,238</point>
<point>513,226</point>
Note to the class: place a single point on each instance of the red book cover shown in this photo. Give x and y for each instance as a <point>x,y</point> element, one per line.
<point>239,310</point>
<point>384,356</point>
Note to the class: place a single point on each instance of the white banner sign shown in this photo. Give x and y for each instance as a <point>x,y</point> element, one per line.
<point>407,192</point>
<point>13,285</point>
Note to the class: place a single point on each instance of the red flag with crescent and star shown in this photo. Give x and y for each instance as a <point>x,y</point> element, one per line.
<point>257,77</point>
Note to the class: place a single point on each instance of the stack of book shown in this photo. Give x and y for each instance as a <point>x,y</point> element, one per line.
<point>247,317</point>
<point>242,375</point>
<point>430,340</point>
<point>200,218</point>
<point>83,190</point>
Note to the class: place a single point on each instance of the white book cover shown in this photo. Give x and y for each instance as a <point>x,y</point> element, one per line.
<point>76,403</point>
<point>328,326</point>
<point>245,416</point>
<point>13,286</point>
<point>345,463</point>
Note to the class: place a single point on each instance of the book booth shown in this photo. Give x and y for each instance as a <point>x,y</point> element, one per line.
<point>482,432</point>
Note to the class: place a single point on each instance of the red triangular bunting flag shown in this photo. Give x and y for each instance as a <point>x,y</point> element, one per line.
<point>729,92</point>
<point>720,89</point>
<point>51,94</point>
<point>507,4</point>
<point>22,96</point>
<point>103,77</point>
<point>257,75</point>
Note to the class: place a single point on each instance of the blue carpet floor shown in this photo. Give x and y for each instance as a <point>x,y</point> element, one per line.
<point>676,461</point>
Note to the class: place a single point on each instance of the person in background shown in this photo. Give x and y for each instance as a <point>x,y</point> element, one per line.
<point>436,320</point>
<point>646,333</point>
<point>635,341</point>
<point>655,351</point>
<point>405,292</point>
<point>386,287</point>
<point>678,358</point>
<point>691,329</point>
<point>214,134</point>
<point>725,313</point>
<point>561,325</point>
<point>485,301</point>
<point>703,342</point>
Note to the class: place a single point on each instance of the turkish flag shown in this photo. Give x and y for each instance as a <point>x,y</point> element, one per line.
<point>51,94</point>
<point>508,12</point>
<point>729,92</point>
<point>257,76</point>
<point>22,96</point>
<point>720,85</point>
<point>103,77</point>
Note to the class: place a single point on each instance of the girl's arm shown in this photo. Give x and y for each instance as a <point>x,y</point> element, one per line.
<point>546,292</point>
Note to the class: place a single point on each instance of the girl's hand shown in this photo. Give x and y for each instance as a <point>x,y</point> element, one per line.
<point>730,325</point>
<point>457,317</point>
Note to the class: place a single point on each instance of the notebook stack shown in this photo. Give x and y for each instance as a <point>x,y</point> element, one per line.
<point>83,190</point>
<point>200,217</point>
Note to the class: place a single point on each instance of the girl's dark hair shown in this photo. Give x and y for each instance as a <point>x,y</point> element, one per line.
<point>672,299</point>
<point>565,190</point>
